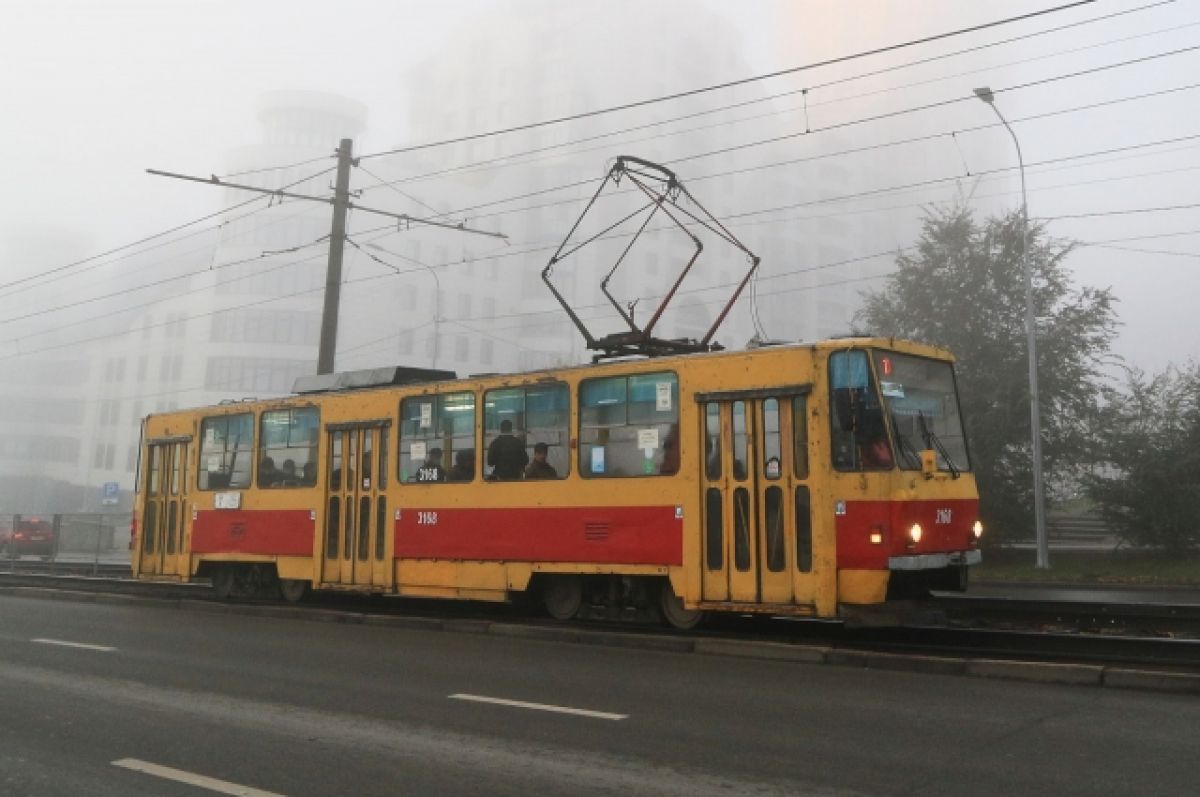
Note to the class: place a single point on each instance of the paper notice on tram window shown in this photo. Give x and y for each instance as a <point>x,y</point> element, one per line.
<point>648,440</point>
<point>662,396</point>
<point>416,451</point>
<point>892,389</point>
<point>426,417</point>
<point>598,459</point>
<point>214,464</point>
<point>210,437</point>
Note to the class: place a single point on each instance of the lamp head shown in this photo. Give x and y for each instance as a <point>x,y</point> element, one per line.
<point>984,93</point>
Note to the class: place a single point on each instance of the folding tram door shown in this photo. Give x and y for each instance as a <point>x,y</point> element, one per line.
<point>757,545</point>
<point>165,509</point>
<point>355,550</point>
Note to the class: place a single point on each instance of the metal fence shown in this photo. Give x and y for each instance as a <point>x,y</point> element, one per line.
<point>101,539</point>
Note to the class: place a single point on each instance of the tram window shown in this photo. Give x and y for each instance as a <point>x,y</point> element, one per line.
<point>176,468</point>
<point>857,433</point>
<point>348,526</point>
<point>364,528</point>
<point>335,462</point>
<point>741,529</point>
<point>150,528</point>
<point>714,529</point>
<point>772,447</point>
<point>538,414</point>
<point>712,441</point>
<point>380,524</point>
<point>383,469</point>
<point>629,425</point>
<point>433,432</point>
<point>288,448</point>
<point>365,471</point>
<point>773,508</point>
<point>800,436</point>
<point>226,447</point>
<point>172,525</point>
<point>804,552</point>
<point>333,522</point>
<point>155,471</point>
<point>741,441</point>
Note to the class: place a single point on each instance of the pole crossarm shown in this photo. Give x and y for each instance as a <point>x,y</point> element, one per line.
<point>404,217</point>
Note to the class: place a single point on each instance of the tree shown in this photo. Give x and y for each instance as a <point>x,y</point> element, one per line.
<point>1149,488</point>
<point>962,287</point>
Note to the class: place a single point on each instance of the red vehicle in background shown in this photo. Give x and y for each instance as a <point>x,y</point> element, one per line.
<point>27,536</point>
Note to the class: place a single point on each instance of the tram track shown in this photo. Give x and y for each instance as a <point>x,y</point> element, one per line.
<point>951,641</point>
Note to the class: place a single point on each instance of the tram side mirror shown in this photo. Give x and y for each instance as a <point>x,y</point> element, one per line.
<point>928,463</point>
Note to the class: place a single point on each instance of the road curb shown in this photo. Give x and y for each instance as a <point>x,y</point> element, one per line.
<point>1037,671</point>
<point>999,669</point>
<point>1150,680</point>
<point>769,651</point>
<point>940,665</point>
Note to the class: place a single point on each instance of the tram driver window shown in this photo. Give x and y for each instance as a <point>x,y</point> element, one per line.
<point>288,448</point>
<point>226,447</point>
<point>437,435</point>
<point>629,426</point>
<point>858,436</point>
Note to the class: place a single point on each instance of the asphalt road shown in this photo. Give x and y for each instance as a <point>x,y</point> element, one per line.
<point>299,708</point>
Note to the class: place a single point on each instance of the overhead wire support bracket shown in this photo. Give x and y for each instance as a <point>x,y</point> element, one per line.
<point>665,193</point>
<point>280,193</point>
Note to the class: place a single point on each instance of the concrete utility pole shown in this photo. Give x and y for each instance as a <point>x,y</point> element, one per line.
<point>333,274</point>
<point>337,238</point>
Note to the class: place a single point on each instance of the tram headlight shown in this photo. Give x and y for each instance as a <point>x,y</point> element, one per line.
<point>977,529</point>
<point>914,533</point>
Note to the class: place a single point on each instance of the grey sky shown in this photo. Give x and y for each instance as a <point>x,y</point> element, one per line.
<point>95,92</point>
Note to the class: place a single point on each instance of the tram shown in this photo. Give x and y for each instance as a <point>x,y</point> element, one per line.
<point>806,479</point>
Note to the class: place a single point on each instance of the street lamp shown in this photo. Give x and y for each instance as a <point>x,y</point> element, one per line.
<point>1035,420</point>
<point>437,297</point>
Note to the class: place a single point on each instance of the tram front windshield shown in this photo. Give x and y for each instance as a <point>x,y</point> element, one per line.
<point>921,402</point>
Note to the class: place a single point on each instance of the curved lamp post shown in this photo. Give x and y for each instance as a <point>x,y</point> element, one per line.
<point>1035,420</point>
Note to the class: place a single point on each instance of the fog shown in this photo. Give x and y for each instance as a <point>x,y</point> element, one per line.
<point>96,93</point>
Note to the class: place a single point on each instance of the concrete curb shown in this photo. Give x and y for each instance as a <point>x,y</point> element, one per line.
<point>768,651</point>
<point>1001,669</point>
<point>1150,680</point>
<point>1037,671</point>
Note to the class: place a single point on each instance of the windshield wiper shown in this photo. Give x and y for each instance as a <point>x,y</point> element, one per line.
<point>932,441</point>
<point>906,447</point>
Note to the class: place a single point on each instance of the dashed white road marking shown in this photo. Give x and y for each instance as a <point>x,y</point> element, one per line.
<point>64,643</point>
<point>192,779</point>
<point>579,712</point>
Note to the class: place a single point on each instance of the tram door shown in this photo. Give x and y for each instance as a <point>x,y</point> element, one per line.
<point>165,510</point>
<point>758,545</point>
<point>356,550</point>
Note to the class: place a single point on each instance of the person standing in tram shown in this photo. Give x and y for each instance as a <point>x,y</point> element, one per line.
<point>506,455</point>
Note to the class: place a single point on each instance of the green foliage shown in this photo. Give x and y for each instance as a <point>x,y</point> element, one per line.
<point>962,287</point>
<point>1150,439</point>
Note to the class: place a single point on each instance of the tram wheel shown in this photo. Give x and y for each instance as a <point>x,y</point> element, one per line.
<point>293,590</point>
<point>673,611</point>
<point>562,596</point>
<point>223,579</point>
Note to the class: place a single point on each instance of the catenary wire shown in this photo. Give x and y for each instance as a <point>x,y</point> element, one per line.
<point>733,83</point>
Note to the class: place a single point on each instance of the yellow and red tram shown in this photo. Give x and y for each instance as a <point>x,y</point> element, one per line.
<point>799,479</point>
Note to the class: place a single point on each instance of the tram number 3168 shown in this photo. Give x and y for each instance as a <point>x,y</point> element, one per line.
<point>427,518</point>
